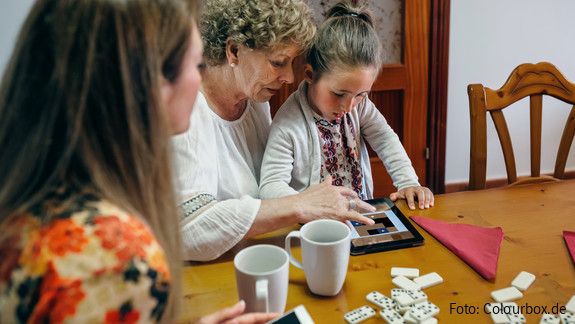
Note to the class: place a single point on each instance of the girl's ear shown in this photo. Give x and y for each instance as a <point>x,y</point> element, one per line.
<point>308,73</point>
<point>232,53</point>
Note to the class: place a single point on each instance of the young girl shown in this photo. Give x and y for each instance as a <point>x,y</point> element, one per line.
<point>321,129</point>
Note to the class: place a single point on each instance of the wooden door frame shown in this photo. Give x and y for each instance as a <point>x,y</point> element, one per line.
<point>438,63</point>
<point>438,74</point>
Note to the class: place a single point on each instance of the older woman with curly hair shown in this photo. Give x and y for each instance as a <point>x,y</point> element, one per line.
<point>249,49</point>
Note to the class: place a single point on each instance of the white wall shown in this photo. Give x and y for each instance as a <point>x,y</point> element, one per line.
<point>488,39</point>
<point>12,14</point>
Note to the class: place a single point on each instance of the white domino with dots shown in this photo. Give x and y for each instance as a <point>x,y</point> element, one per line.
<point>406,272</point>
<point>404,300</point>
<point>506,294</point>
<point>403,282</point>
<point>359,315</point>
<point>523,280</point>
<point>570,306</point>
<point>410,297</point>
<point>428,280</point>
<point>396,292</point>
<point>402,309</point>
<point>497,317</point>
<point>549,319</point>
<point>423,311</point>
<point>380,300</point>
<point>567,318</point>
<point>408,303</point>
<point>391,316</point>
<point>407,318</point>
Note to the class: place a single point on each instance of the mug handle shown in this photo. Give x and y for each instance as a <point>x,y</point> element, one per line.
<point>292,260</point>
<point>262,301</point>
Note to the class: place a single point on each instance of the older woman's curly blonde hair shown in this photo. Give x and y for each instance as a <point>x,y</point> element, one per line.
<point>257,24</point>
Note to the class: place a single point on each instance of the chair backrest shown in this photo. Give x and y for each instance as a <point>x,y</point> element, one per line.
<point>527,80</point>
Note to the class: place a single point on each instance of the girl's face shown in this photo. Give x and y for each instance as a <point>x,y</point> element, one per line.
<point>179,96</point>
<point>338,92</point>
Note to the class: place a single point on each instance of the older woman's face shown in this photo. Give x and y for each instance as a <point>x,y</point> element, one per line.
<point>260,74</point>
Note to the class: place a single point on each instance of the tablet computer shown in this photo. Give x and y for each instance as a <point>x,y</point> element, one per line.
<point>392,230</point>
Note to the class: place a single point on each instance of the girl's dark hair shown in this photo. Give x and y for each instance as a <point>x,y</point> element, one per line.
<point>346,39</point>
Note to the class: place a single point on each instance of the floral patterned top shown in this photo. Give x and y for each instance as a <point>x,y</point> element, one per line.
<point>339,152</point>
<point>91,263</point>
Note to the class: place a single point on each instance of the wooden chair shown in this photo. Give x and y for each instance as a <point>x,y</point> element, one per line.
<point>533,80</point>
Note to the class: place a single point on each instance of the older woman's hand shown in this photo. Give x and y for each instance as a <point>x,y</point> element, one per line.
<point>235,315</point>
<point>324,200</point>
<point>424,196</point>
<point>319,201</point>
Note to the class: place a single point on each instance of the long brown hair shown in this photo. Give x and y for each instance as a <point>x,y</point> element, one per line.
<point>79,102</point>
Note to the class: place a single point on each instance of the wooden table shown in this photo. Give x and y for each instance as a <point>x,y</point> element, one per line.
<point>532,217</point>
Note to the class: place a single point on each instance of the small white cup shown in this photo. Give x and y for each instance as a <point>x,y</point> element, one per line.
<point>262,277</point>
<point>325,246</point>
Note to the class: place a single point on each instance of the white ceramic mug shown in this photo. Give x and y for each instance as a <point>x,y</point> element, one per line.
<point>325,248</point>
<point>262,277</point>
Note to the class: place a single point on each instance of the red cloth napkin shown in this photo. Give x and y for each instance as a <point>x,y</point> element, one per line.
<point>570,241</point>
<point>477,246</point>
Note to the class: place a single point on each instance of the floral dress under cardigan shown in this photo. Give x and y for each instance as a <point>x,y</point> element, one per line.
<point>91,263</point>
<point>339,153</point>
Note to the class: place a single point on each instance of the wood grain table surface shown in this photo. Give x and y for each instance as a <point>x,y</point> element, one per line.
<point>532,217</point>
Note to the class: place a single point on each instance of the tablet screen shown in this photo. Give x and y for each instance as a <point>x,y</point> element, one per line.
<point>390,231</point>
<point>386,224</point>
